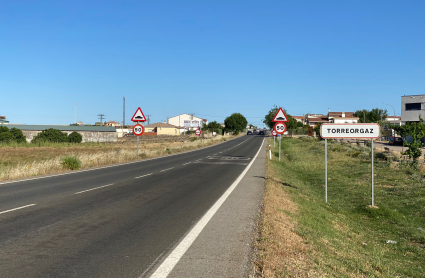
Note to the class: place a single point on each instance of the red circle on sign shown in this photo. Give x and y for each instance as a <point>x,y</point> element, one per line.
<point>280,128</point>
<point>138,130</point>
<point>198,132</point>
<point>274,133</point>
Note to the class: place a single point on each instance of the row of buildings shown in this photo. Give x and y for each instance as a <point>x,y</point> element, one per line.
<point>337,118</point>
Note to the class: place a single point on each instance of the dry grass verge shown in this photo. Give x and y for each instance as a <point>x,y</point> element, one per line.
<point>23,162</point>
<point>282,250</point>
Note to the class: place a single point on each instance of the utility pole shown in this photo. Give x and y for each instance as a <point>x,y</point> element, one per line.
<point>123,113</point>
<point>149,119</point>
<point>101,118</point>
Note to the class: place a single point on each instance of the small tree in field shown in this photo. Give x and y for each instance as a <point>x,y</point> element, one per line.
<point>417,131</point>
<point>235,122</point>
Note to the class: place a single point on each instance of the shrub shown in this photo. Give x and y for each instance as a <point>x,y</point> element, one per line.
<point>5,134</point>
<point>75,137</point>
<point>380,155</point>
<point>18,136</point>
<point>50,135</point>
<point>71,163</point>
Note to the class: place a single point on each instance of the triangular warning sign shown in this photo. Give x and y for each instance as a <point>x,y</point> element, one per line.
<point>138,116</point>
<point>280,116</point>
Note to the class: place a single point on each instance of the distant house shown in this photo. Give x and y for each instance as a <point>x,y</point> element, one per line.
<point>342,117</point>
<point>300,119</point>
<point>112,123</point>
<point>332,117</point>
<point>163,129</point>
<point>3,120</point>
<point>187,122</point>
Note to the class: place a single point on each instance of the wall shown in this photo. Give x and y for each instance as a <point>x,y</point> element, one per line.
<point>167,131</point>
<point>88,136</point>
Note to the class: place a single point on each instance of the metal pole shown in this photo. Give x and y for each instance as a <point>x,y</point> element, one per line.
<point>371,146</point>
<point>274,141</point>
<point>280,140</point>
<point>326,170</point>
<point>137,145</point>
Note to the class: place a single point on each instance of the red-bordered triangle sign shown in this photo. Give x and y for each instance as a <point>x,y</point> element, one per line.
<point>138,116</point>
<point>280,116</point>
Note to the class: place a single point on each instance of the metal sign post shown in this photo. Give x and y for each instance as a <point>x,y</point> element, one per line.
<point>280,140</point>
<point>326,170</point>
<point>371,153</point>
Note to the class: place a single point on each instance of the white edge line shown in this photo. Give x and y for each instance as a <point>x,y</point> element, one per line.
<point>167,169</point>
<point>113,165</point>
<point>17,208</point>
<point>144,176</point>
<point>170,262</point>
<point>187,163</point>
<point>93,188</point>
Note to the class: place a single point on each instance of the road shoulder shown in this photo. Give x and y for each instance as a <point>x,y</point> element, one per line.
<point>226,245</point>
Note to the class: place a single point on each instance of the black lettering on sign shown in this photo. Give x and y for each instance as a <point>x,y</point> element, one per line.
<point>371,130</point>
<point>347,130</point>
<point>333,130</point>
<point>337,130</point>
<point>361,130</point>
<point>351,130</point>
<point>356,130</point>
<point>342,130</point>
<point>329,130</point>
<point>367,130</point>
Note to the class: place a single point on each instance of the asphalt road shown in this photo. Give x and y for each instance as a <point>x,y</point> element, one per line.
<point>119,221</point>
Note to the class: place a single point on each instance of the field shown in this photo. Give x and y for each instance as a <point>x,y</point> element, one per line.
<point>27,160</point>
<point>302,236</point>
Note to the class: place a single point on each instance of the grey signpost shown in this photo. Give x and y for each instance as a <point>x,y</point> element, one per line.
<point>138,129</point>
<point>356,131</point>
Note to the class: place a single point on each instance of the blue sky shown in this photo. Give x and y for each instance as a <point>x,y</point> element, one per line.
<point>210,58</point>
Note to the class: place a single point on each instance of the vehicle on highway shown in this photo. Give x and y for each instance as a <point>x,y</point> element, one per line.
<point>249,132</point>
<point>396,141</point>
<point>261,132</point>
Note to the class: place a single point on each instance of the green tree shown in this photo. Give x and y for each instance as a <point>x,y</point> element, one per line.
<point>75,137</point>
<point>417,131</point>
<point>18,136</point>
<point>214,126</point>
<point>50,135</point>
<point>268,119</point>
<point>375,115</point>
<point>235,122</point>
<point>5,134</point>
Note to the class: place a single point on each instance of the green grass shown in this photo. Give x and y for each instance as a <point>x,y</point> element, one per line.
<point>348,236</point>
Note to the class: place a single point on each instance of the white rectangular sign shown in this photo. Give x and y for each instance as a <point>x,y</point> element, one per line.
<point>367,130</point>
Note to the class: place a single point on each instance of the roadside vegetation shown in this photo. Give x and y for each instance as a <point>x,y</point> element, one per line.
<point>21,160</point>
<point>302,236</point>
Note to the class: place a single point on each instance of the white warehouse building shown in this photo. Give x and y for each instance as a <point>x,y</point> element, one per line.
<point>187,121</point>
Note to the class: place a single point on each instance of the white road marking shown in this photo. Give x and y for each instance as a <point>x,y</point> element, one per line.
<point>167,169</point>
<point>170,262</point>
<point>187,163</point>
<point>17,208</point>
<point>144,176</point>
<point>93,189</point>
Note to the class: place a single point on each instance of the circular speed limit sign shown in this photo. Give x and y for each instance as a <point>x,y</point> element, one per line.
<point>138,130</point>
<point>198,132</point>
<point>274,133</point>
<point>280,128</point>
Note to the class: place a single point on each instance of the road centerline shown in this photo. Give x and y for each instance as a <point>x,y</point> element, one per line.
<point>93,189</point>
<point>1,212</point>
<point>167,169</point>
<point>144,176</point>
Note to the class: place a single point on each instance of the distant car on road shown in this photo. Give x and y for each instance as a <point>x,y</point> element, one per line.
<point>249,132</point>
<point>396,141</point>
<point>261,132</point>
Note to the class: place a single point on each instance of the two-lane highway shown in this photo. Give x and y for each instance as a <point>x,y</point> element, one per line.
<point>117,221</point>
